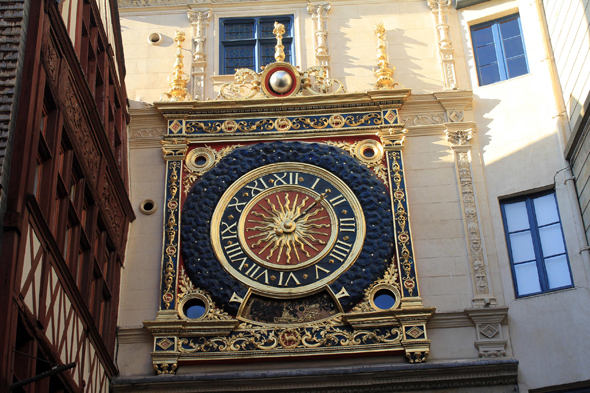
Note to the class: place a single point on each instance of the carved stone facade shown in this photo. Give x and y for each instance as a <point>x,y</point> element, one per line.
<point>199,22</point>
<point>319,14</point>
<point>440,10</point>
<point>449,153</point>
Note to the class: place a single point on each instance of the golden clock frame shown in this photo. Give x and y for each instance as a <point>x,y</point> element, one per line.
<point>405,322</point>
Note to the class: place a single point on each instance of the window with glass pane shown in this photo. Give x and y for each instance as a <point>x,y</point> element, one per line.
<point>536,245</point>
<point>250,42</point>
<point>499,51</point>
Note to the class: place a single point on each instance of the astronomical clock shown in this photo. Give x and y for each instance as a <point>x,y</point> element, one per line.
<point>286,230</point>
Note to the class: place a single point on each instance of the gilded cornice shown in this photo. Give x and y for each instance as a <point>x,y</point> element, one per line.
<point>321,104</point>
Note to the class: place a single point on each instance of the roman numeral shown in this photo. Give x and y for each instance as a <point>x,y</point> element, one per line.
<point>337,200</point>
<point>315,184</point>
<point>292,276</point>
<point>289,277</point>
<point>292,179</point>
<point>233,250</point>
<point>237,204</point>
<point>255,187</point>
<point>340,250</point>
<point>228,229</point>
<point>253,270</point>
<point>347,225</point>
<point>317,271</point>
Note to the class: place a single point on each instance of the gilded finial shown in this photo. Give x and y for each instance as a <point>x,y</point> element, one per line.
<point>178,79</point>
<point>385,73</point>
<point>278,31</point>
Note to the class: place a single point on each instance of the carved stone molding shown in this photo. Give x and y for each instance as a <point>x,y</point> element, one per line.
<point>148,133</point>
<point>499,375</point>
<point>199,22</point>
<point>459,136</point>
<point>423,120</point>
<point>440,10</point>
<point>456,103</point>
<point>319,14</point>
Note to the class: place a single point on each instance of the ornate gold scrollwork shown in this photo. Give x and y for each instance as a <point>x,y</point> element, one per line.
<point>291,338</point>
<point>245,126</point>
<point>319,123</point>
<point>390,281</point>
<point>375,162</point>
<point>321,83</point>
<point>194,171</point>
<point>188,291</point>
<point>194,126</point>
<point>241,85</point>
<point>401,216</point>
<point>171,231</point>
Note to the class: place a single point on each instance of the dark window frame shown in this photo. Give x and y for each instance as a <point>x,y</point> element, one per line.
<point>534,229</point>
<point>257,40</point>
<point>498,41</point>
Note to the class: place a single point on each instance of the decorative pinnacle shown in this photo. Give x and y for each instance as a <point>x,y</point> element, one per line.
<point>178,79</point>
<point>384,74</point>
<point>278,31</point>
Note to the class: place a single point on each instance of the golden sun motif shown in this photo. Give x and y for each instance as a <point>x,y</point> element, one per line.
<point>295,227</point>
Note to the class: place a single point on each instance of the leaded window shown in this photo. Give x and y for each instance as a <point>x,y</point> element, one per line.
<point>250,42</point>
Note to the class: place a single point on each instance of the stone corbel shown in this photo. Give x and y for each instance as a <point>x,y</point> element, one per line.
<point>319,14</point>
<point>459,136</point>
<point>488,325</point>
<point>455,104</point>
<point>199,22</point>
<point>440,10</point>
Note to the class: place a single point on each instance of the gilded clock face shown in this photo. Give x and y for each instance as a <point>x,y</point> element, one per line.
<point>287,229</point>
<point>286,221</point>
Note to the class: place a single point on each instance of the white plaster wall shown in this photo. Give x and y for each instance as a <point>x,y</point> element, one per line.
<point>522,152</point>
<point>140,279</point>
<point>437,225</point>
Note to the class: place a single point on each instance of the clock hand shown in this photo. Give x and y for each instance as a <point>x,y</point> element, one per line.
<point>321,198</point>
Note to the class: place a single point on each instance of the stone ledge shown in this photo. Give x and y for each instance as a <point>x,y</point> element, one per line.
<point>359,379</point>
<point>466,3</point>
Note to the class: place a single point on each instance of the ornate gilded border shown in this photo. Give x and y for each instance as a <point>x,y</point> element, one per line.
<point>171,236</point>
<point>282,124</point>
<point>404,245</point>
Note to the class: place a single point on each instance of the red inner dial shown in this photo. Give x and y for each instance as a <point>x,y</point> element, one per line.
<point>287,228</point>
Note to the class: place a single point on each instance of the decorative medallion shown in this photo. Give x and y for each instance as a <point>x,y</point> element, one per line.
<point>289,338</point>
<point>280,80</point>
<point>165,344</point>
<point>175,126</point>
<point>283,124</point>
<point>391,116</point>
<point>229,126</point>
<point>336,121</point>
<point>415,332</point>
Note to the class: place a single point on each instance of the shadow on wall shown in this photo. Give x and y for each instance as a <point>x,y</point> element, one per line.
<point>345,61</point>
<point>483,124</point>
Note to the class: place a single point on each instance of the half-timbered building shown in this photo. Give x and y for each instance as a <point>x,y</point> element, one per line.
<point>64,194</point>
